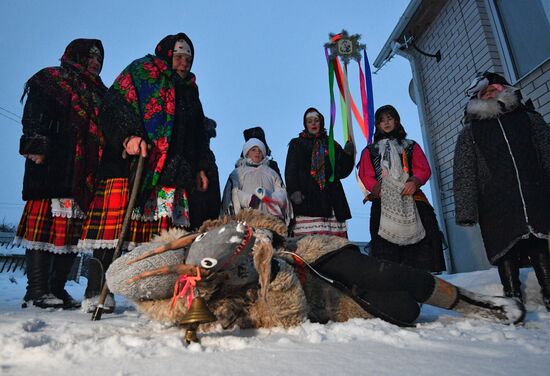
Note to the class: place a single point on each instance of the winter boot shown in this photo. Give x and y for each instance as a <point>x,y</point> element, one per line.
<point>38,264</point>
<point>97,266</point>
<point>541,263</point>
<point>501,309</point>
<point>90,304</point>
<point>62,265</point>
<point>508,271</point>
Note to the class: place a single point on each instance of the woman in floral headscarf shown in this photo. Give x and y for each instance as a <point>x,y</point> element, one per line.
<point>152,109</point>
<point>320,206</point>
<point>62,144</point>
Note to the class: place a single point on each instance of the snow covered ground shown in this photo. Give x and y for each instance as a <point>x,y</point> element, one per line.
<point>56,342</point>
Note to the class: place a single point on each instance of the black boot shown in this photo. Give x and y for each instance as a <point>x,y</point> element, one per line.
<point>97,266</point>
<point>508,270</point>
<point>62,265</point>
<point>541,264</point>
<point>38,264</point>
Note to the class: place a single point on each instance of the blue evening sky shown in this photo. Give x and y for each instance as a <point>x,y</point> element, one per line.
<point>257,63</point>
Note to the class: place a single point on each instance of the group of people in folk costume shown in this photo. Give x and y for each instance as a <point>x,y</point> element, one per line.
<point>80,141</point>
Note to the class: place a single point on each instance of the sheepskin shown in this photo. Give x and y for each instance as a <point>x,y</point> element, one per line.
<point>271,300</point>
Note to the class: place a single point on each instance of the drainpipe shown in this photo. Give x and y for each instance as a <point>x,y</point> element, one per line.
<point>434,183</point>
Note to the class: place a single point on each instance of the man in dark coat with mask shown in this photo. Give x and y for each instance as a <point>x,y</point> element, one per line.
<point>502,180</point>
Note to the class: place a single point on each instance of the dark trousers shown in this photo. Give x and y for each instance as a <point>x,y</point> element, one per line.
<point>392,289</point>
<point>532,251</point>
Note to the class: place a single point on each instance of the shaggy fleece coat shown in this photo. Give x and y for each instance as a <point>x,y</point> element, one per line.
<point>279,300</point>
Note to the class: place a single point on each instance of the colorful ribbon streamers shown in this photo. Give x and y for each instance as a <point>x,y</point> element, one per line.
<point>332,115</point>
<point>370,99</point>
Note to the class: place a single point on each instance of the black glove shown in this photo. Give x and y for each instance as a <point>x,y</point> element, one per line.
<point>297,197</point>
<point>349,148</point>
<point>254,202</point>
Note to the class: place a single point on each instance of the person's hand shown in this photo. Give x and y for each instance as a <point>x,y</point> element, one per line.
<point>297,197</point>
<point>349,148</point>
<point>411,185</point>
<point>377,189</point>
<point>135,145</point>
<point>36,158</point>
<point>202,181</point>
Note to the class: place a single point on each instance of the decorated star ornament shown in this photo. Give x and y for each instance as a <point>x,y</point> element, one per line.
<point>345,46</point>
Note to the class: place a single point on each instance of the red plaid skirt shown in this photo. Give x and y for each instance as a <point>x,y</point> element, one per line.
<point>38,229</point>
<point>104,219</point>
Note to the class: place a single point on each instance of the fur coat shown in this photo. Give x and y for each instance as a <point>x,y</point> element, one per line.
<point>502,173</point>
<point>281,293</point>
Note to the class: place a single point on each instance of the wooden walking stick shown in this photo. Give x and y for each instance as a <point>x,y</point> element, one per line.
<point>96,316</point>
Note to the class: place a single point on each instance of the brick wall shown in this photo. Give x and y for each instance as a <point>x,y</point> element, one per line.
<point>464,34</point>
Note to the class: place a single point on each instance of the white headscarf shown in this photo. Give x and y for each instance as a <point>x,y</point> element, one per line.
<point>251,143</point>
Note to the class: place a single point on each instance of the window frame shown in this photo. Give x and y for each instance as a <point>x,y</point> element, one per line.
<point>503,47</point>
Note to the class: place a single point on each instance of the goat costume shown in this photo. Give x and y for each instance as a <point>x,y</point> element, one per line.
<point>253,277</point>
<point>502,181</point>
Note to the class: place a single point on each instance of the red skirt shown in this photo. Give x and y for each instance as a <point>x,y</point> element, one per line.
<point>38,229</point>
<point>104,219</point>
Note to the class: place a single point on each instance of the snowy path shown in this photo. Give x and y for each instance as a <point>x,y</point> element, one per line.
<point>56,342</point>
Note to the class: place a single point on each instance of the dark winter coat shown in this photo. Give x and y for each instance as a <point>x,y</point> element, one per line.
<point>317,202</point>
<point>502,175</point>
<point>59,118</point>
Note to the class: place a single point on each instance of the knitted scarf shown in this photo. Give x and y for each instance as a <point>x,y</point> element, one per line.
<point>80,93</point>
<point>318,155</point>
<point>147,85</point>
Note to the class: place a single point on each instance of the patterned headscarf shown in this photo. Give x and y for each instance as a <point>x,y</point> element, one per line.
<point>319,152</point>
<point>147,85</point>
<point>74,88</point>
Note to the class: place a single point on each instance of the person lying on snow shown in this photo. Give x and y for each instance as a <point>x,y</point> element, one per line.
<point>252,277</point>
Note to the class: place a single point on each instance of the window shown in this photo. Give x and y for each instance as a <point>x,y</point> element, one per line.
<point>524,26</point>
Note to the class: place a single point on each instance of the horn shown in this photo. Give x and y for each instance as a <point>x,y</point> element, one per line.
<point>174,244</point>
<point>197,314</point>
<point>179,269</point>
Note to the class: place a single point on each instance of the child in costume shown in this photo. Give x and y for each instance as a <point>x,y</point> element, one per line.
<point>253,184</point>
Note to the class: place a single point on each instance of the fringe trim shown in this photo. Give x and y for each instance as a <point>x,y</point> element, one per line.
<point>42,246</point>
<point>87,245</point>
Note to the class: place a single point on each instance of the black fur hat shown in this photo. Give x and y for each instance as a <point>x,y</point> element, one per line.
<point>482,80</point>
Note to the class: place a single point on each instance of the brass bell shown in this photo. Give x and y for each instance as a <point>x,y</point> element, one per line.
<point>197,314</point>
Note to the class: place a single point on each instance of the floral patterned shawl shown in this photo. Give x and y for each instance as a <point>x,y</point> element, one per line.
<point>80,93</point>
<point>147,85</point>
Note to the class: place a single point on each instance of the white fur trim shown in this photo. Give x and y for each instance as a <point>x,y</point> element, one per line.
<point>489,109</point>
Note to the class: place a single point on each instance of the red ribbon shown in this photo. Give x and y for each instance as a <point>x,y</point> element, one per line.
<point>184,286</point>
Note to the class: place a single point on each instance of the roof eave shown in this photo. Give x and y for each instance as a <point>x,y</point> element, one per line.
<point>387,49</point>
